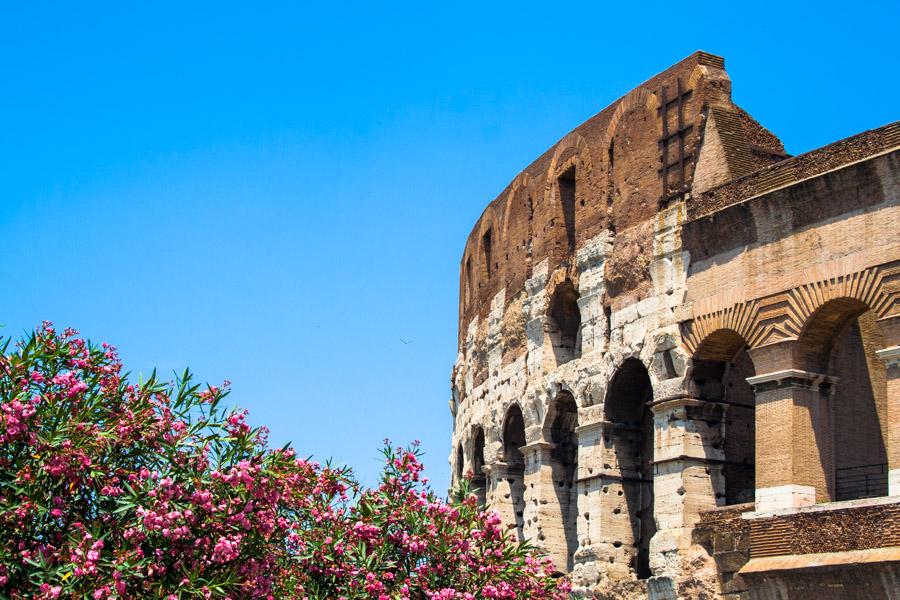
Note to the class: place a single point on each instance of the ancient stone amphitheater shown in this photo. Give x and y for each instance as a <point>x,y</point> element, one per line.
<point>679,353</point>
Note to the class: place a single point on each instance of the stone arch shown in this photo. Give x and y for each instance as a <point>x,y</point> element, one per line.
<point>719,371</point>
<point>722,312</point>
<point>489,243</point>
<point>628,443</point>
<point>468,279</point>
<point>640,97</point>
<point>569,184</point>
<point>841,281</point>
<point>460,463</point>
<point>632,183</point>
<point>821,329</point>
<point>563,322</point>
<point>839,341</point>
<point>561,541</point>
<point>719,345</point>
<point>518,232</point>
<point>533,413</point>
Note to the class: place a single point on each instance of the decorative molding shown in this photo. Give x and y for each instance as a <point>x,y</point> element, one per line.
<point>890,356</point>
<point>789,375</point>
<point>572,149</point>
<point>864,285</point>
<point>783,315</point>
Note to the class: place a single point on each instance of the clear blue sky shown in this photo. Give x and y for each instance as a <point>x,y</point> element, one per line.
<point>277,195</point>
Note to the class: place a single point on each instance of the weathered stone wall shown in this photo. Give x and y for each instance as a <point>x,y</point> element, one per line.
<point>613,160</point>
<point>725,535</point>
<point>654,307</point>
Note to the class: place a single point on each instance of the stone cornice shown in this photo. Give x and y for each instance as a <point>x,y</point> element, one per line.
<point>789,378</point>
<point>890,356</point>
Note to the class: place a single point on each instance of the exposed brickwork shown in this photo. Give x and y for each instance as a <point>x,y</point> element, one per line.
<point>664,316</point>
<point>726,536</point>
<point>795,169</point>
<point>616,158</point>
<point>857,528</point>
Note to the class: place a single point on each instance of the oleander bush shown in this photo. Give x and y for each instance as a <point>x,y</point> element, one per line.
<point>153,489</point>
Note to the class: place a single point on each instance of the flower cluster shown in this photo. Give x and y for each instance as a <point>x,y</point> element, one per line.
<point>111,489</point>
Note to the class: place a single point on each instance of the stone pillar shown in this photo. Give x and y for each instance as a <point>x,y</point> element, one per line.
<point>890,330</point>
<point>891,358</point>
<point>688,454</point>
<point>497,489</point>
<point>605,534</point>
<point>590,259</point>
<point>507,485</point>
<point>794,438</point>
<point>534,331</point>
<point>593,324</point>
<point>543,515</point>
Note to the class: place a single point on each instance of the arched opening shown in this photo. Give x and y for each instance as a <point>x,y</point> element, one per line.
<point>567,195</point>
<point>513,441</point>
<point>840,341</point>
<point>563,419</point>
<point>479,481</point>
<point>460,464</point>
<point>630,436</point>
<point>564,323</point>
<point>721,368</point>
<point>486,253</point>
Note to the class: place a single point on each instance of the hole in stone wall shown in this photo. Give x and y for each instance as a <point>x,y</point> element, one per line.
<point>567,191</point>
<point>607,314</point>
<point>564,323</point>
<point>460,462</point>
<point>669,364</point>
<point>486,252</point>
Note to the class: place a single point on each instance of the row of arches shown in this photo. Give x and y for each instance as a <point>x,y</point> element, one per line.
<point>492,248</point>
<point>592,182</point>
<point>631,437</point>
<point>847,409</point>
<point>838,342</point>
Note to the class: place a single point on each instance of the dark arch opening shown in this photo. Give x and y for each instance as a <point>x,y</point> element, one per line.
<point>860,411</point>
<point>631,438</point>
<point>567,194</point>
<point>564,323</point>
<point>513,441</point>
<point>721,368</point>
<point>822,332</point>
<point>486,253</point>
<point>460,464</point>
<point>564,465</point>
<point>840,340</point>
<point>479,481</point>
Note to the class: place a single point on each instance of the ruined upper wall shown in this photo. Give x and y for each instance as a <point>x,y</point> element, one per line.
<point>613,173</point>
<point>798,168</point>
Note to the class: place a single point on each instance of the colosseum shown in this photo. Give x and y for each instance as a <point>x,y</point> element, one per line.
<point>678,369</point>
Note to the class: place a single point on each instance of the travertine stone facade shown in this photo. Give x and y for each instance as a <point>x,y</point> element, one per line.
<point>665,317</point>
